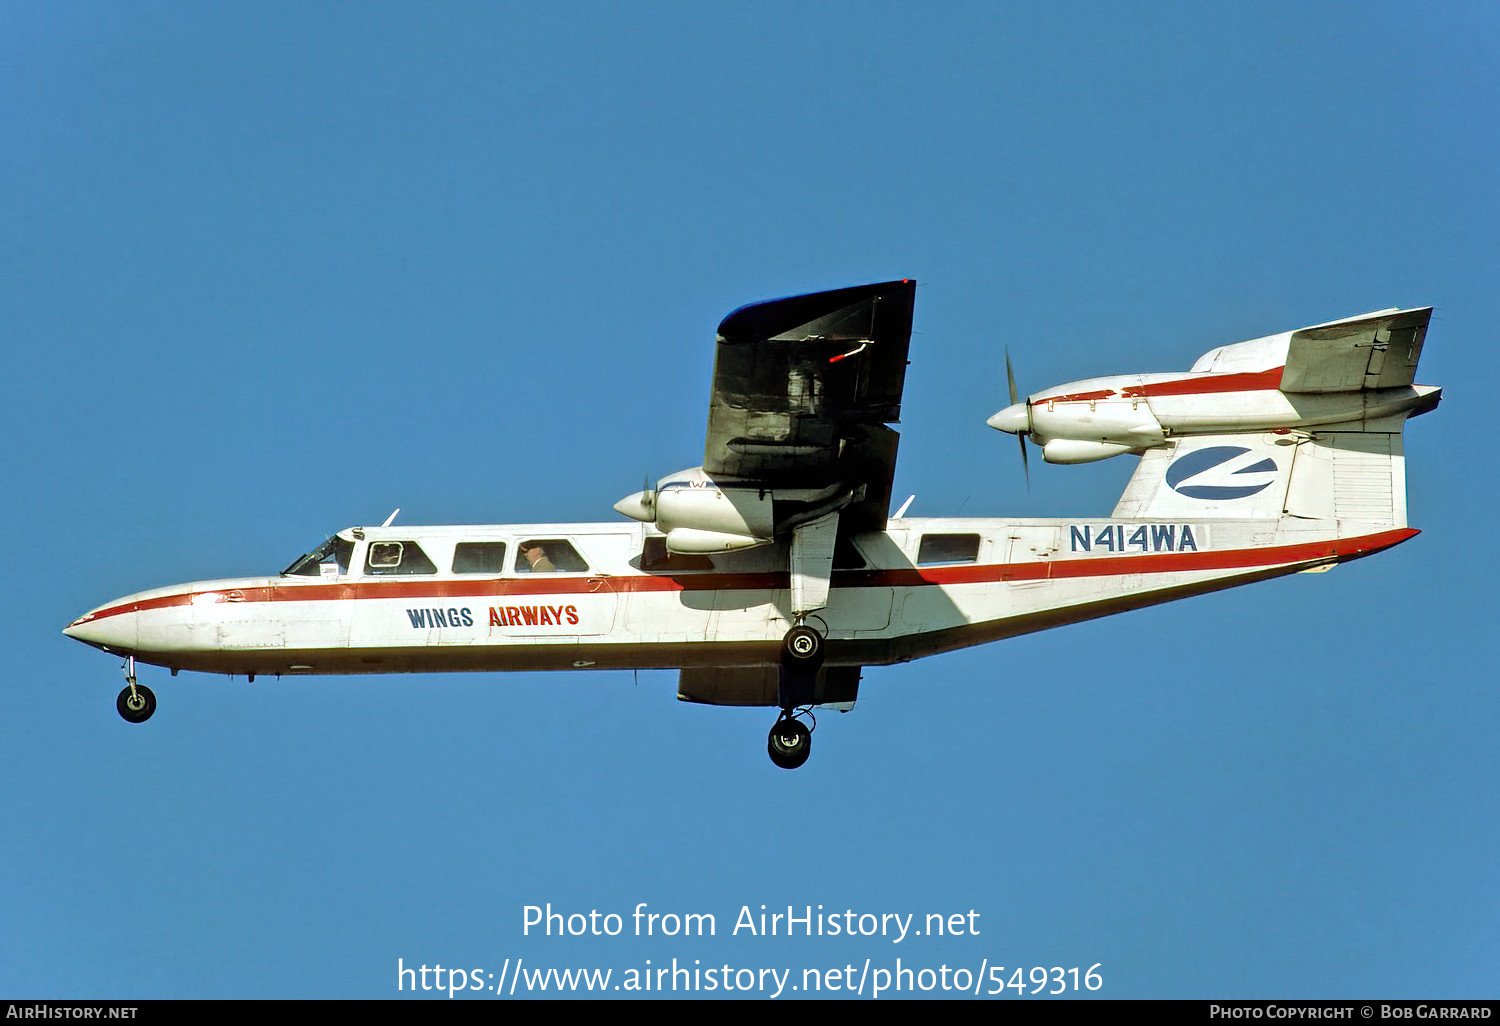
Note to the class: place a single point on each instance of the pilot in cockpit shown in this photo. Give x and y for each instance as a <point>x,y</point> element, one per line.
<point>536,556</point>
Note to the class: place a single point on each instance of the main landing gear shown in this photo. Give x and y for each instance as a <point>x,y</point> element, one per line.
<point>802,652</point>
<point>136,702</point>
<point>790,742</point>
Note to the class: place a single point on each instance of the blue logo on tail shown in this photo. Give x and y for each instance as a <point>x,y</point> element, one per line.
<point>1190,475</point>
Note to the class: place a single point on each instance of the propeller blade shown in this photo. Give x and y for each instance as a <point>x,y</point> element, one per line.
<point>1010,380</point>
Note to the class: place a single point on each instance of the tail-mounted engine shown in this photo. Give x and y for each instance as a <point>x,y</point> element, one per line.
<point>1352,374</point>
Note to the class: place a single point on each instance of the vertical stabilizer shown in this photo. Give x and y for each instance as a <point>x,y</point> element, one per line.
<point>1354,481</point>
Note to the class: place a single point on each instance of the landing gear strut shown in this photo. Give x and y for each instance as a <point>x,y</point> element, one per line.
<point>136,702</point>
<point>790,742</point>
<point>802,652</point>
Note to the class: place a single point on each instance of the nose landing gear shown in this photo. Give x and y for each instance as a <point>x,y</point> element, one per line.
<point>136,702</point>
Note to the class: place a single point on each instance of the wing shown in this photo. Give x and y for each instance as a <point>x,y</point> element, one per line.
<point>803,390</point>
<point>1377,350</point>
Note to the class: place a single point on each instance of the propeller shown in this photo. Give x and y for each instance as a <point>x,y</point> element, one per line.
<point>640,505</point>
<point>1011,419</point>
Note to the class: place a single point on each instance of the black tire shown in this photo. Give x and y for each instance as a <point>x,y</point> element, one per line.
<point>802,649</point>
<point>137,708</point>
<point>790,743</point>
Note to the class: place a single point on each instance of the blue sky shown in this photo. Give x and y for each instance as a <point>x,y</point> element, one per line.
<point>274,270</point>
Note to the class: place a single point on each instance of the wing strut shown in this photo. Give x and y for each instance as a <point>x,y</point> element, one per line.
<point>812,563</point>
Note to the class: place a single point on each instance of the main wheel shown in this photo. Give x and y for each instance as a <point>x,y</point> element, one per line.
<point>802,649</point>
<point>137,707</point>
<point>790,743</point>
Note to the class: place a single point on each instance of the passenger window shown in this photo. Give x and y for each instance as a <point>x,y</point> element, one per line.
<point>656,557</point>
<point>548,555</point>
<point>948,548</point>
<point>397,558</point>
<point>479,558</point>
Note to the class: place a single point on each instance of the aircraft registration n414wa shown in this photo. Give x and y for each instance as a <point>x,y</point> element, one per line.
<point>774,573</point>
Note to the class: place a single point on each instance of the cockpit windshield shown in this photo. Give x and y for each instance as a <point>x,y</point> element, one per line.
<point>334,551</point>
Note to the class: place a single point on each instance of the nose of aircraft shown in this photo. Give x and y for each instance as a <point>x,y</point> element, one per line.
<point>111,631</point>
<point>1014,419</point>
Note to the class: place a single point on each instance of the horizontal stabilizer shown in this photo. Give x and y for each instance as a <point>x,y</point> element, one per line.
<point>1361,353</point>
<point>1355,354</point>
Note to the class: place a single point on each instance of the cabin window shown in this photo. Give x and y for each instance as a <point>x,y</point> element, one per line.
<point>937,549</point>
<point>397,558</point>
<point>548,555</point>
<point>655,557</point>
<point>479,558</point>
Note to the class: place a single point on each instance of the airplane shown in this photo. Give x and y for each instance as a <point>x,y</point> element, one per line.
<point>774,573</point>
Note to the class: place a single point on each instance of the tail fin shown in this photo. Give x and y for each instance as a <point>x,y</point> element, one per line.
<point>1346,475</point>
<point>1354,481</point>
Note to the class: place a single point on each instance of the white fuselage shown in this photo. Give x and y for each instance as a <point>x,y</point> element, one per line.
<point>920,587</point>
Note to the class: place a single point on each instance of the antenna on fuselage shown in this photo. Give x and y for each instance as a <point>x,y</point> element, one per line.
<point>392,517</point>
<point>904,507</point>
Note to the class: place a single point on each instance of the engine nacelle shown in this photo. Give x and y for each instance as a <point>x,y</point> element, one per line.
<point>699,515</point>
<point>704,506</point>
<point>1128,422</point>
<point>1085,420</point>
<point>693,541</point>
<point>1074,450</point>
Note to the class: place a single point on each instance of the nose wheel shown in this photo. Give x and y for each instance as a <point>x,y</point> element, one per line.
<point>136,702</point>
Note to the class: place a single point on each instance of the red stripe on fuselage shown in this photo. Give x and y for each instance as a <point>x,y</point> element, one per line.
<point>1203,384</point>
<point>1209,384</point>
<point>987,573</point>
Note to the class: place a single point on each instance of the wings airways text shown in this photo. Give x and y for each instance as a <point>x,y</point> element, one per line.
<point>1124,538</point>
<point>500,616</point>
